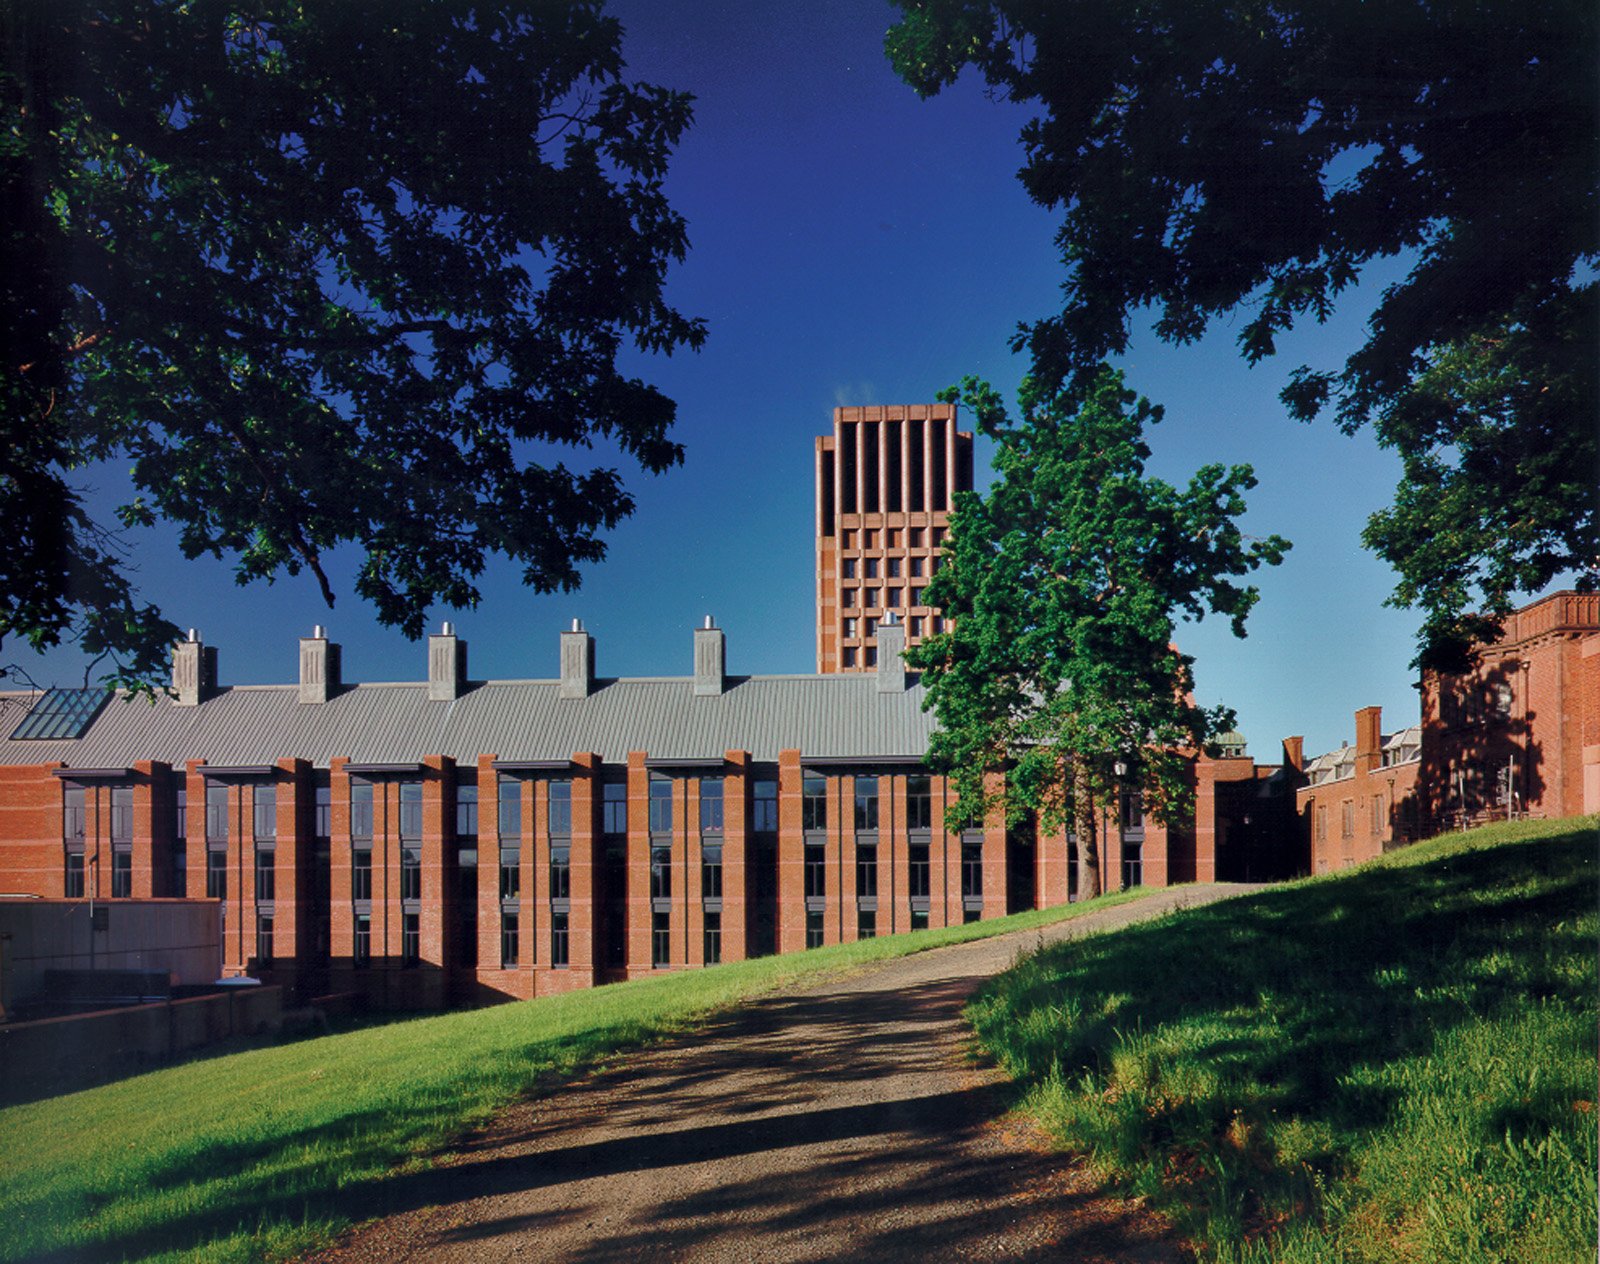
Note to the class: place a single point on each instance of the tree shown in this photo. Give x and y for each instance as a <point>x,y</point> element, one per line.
<point>322,274</point>
<point>1058,666</point>
<point>1219,158</point>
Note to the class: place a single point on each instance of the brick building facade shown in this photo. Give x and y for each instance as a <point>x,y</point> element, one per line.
<point>885,481</point>
<point>447,840</point>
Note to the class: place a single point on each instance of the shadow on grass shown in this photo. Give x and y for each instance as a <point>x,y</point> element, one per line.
<point>1297,1002</point>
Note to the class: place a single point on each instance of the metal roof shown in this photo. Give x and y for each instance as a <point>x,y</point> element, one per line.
<point>836,717</point>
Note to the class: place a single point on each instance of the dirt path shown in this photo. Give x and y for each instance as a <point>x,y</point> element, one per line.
<point>843,1122</point>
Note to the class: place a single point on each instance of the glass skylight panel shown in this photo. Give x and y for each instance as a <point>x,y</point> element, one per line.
<point>61,714</point>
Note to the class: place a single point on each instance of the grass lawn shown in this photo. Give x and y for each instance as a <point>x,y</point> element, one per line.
<point>269,1152</point>
<point>1397,1063</point>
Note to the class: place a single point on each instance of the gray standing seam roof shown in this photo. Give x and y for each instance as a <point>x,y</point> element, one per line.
<point>835,717</point>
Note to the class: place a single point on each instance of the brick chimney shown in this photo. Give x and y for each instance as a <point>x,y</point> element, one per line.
<point>577,662</point>
<point>1369,739</point>
<point>1294,753</point>
<point>710,658</point>
<point>891,645</point>
<point>194,670</point>
<point>447,665</point>
<point>319,666</point>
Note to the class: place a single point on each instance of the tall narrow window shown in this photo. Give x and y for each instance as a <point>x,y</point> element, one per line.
<point>264,825</point>
<point>216,842</point>
<point>560,946</point>
<point>660,805</point>
<point>866,791</point>
<point>660,940</point>
<point>360,809</point>
<point>614,809</point>
<point>919,803</point>
<point>510,820</point>
<point>264,938</point>
<point>866,871</point>
<point>467,810</point>
<point>711,872</point>
<point>814,934</point>
<point>410,872</point>
<point>713,938</point>
<point>362,948</point>
<point>361,873</point>
<point>813,802</point>
<point>411,810</point>
<point>322,814</point>
<point>558,811</point>
<point>121,842</point>
<point>711,805</point>
<point>660,873</point>
<point>216,813</point>
<point>410,939</point>
<point>815,873</point>
<point>560,873</point>
<point>510,938</point>
<point>266,873</point>
<point>73,817</point>
<point>178,881</point>
<point>917,871</point>
<point>764,807</point>
<point>264,813</point>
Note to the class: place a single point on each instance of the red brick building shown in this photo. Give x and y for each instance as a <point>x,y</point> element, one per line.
<point>885,480</point>
<point>1517,735</point>
<point>447,840</point>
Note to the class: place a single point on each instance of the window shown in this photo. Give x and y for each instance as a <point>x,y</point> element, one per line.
<point>510,871</point>
<point>661,873</point>
<point>815,873</point>
<point>847,568</point>
<point>1379,819</point>
<point>866,924</point>
<point>713,939</point>
<point>216,874</point>
<point>510,938</point>
<point>872,627</point>
<point>1347,824</point>
<point>891,567</point>
<point>917,565</point>
<point>410,809</point>
<point>322,813</point>
<point>847,539</point>
<point>1502,700</point>
<point>869,539</point>
<point>869,598</point>
<point>216,813</point>
<point>73,815</point>
<point>711,805</point>
<point>560,941</point>
<point>813,802</point>
<point>938,537</point>
<point>264,937</point>
<point>866,789</point>
<point>510,815</point>
<point>711,873</point>
<point>467,810</point>
<point>917,871</point>
<point>916,596</point>
<point>1132,865</point>
<point>915,537</point>
<point>73,887</point>
<point>122,815</point>
<point>614,808</point>
<point>813,930</point>
<point>919,919</point>
<point>178,884</point>
<point>891,538</point>
<point>869,657</point>
<point>870,568</point>
<point>264,813</point>
<point>560,873</point>
<point>764,813</point>
<point>866,872</point>
<point>971,869</point>
<point>660,940</point>
<point>848,599</point>
<point>919,802</point>
<point>848,656</point>
<point>361,873</point>
<point>891,596</point>
<point>558,809</point>
<point>121,874</point>
<point>850,626</point>
<point>361,809</point>
<point>660,805</point>
<point>410,938</point>
<point>410,872</point>
<point>266,874</point>
<point>916,624</point>
<point>363,939</point>
<point>1322,822</point>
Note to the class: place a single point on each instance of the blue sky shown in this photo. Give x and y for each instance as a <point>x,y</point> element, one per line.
<point>851,244</point>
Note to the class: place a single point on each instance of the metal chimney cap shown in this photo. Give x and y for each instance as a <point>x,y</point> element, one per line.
<point>318,632</point>
<point>449,629</point>
<point>708,623</point>
<point>577,625</point>
<point>193,635</point>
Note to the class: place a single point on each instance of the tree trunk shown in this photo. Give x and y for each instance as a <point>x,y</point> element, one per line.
<point>1088,849</point>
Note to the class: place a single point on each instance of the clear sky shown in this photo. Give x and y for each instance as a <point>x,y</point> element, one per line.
<point>851,244</point>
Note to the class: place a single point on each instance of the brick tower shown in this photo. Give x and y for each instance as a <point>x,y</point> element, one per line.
<point>885,477</point>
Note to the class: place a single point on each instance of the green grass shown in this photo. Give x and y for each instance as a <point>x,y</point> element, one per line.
<point>1392,1064</point>
<point>268,1152</point>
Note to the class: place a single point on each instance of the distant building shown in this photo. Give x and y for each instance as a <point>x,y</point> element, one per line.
<point>885,479</point>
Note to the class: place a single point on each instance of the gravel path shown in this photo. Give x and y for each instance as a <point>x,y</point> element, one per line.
<point>843,1122</point>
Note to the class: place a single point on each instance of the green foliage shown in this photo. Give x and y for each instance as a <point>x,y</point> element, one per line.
<point>323,274</point>
<point>1250,159</point>
<point>267,1153</point>
<point>1393,1064</point>
<point>1062,587</point>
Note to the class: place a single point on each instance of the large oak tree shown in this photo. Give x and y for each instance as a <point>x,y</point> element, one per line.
<point>323,273</point>
<point>1249,158</point>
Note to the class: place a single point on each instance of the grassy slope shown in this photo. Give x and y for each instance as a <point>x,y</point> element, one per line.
<point>265,1153</point>
<point>1396,1063</point>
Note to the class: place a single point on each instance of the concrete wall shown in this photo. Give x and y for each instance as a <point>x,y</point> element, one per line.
<point>59,1055</point>
<point>180,938</point>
